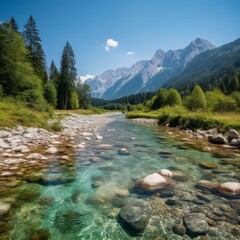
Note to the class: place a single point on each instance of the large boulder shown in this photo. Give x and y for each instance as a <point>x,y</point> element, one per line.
<point>153,182</point>
<point>229,188</point>
<point>233,134</point>
<point>136,215</point>
<point>217,139</point>
<point>196,223</point>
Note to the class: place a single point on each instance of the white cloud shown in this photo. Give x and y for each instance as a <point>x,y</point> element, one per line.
<point>130,53</point>
<point>84,78</point>
<point>110,43</point>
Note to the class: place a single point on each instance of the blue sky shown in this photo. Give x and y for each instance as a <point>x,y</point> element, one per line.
<point>139,27</point>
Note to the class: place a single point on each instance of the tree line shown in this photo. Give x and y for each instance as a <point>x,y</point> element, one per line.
<point>24,75</point>
<point>213,101</point>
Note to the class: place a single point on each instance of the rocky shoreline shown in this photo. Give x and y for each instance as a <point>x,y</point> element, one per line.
<point>26,153</point>
<point>212,136</point>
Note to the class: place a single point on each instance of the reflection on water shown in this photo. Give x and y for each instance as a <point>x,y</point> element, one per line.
<point>81,198</point>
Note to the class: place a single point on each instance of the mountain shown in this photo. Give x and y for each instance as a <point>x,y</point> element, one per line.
<point>147,75</point>
<point>212,68</point>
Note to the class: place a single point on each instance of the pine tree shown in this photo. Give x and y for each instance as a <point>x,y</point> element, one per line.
<point>36,53</point>
<point>13,24</point>
<point>54,74</point>
<point>68,74</point>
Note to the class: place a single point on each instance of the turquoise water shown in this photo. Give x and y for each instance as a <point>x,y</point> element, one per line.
<point>82,199</point>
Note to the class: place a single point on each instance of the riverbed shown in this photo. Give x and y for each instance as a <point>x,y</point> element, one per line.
<point>80,197</point>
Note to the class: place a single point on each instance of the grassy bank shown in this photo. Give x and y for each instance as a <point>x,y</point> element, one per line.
<point>178,116</point>
<point>14,113</point>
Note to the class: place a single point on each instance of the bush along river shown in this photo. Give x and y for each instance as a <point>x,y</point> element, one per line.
<point>122,181</point>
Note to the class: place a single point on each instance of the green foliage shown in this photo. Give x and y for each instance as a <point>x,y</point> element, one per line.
<point>50,94</point>
<point>84,95</point>
<point>56,126</point>
<point>54,74</point>
<point>1,91</point>
<point>73,100</point>
<point>173,98</point>
<point>160,99</point>
<point>16,73</point>
<point>13,113</point>
<point>225,104</point>
<point>197,99</point>
<point>36,54</point>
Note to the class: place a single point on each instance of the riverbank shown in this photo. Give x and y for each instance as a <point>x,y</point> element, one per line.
<point>184,119</point>
<point>210,140</point>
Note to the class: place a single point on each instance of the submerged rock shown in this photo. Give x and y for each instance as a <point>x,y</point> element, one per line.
<point>136,215</point>
<point>153,182</point>
<point>4,208</point>
<point>67,220</point>
<point>123,151</point>
<point>196,223</point>
<point>41,234</point>
<point>208,165</point>
<point>179,229</point>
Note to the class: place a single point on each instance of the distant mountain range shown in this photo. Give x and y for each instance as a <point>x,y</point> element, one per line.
<point>174,68</point>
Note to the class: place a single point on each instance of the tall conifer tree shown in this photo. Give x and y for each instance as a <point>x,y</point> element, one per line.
<point>36,53</point>
<point>13,24</point>
<point>68,74</point>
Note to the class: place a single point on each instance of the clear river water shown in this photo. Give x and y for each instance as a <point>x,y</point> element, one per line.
<point>82,198</point>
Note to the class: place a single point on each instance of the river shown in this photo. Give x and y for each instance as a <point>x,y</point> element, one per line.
<point>82,198</point>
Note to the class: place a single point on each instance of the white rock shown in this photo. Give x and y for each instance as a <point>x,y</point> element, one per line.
<point>4,207</point>
<point>26,150</point>
<point>85,134</point>
<point>19,148</point>
<point>3,144</point>
<point>6,174</point>
<point>104,146</point>
<point>65,157</point>
<point>7,154</point>
<point>233,187</point>
<point>87,138</point>
<point>80,146</point>
<point>56,142</point>
<point>36,156</point>
<point>166,173</point>
<point>28,135</point>
<point>5,134</point>
<point>98,137</point>
<point>14,161</point>
<point>51,150</point>
<point>153,180</point>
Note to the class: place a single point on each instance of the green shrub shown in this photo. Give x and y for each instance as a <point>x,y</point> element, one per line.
<point>56,126</point>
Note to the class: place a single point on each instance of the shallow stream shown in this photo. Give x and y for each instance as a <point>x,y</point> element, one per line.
<point>81,199</point>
